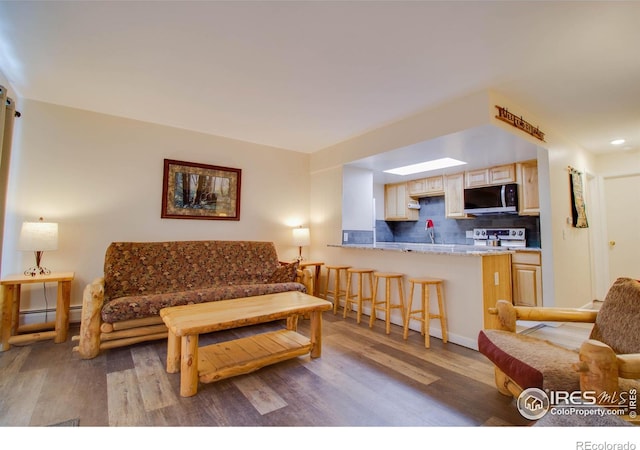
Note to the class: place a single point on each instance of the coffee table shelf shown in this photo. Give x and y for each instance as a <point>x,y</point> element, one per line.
<point>245,355</point>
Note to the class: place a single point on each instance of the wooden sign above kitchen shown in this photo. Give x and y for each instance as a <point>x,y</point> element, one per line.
<point>519,122</point>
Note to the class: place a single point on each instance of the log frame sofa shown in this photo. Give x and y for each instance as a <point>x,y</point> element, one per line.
<point>122,307</point>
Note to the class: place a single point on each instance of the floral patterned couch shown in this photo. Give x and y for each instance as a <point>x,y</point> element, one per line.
<point>141,278</point>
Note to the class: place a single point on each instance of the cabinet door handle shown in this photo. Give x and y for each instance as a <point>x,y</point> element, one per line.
<point>612,243</point>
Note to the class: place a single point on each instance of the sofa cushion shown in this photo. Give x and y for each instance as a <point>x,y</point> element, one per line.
<point>530,362</point>
<point>617,321</point>
<point>142,268</point>
<point>286,273</point>
<point>140,306</point>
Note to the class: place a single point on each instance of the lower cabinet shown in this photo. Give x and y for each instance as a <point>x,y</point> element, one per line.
<point>526,270</point>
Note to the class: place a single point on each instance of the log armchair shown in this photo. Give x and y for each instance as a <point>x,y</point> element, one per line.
<point>608,363</point>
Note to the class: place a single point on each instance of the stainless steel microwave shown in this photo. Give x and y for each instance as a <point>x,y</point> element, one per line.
<point>498,199</point>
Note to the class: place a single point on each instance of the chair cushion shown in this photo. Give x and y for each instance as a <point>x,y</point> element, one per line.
<point>530,362</point>
<point>617,321</point>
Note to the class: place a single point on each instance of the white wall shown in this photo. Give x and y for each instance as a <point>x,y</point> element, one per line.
<point>571,249</point>
<point>100,177</point>
<point>358,185</point>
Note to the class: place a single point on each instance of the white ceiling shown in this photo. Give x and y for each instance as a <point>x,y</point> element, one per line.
<point>304,75</point>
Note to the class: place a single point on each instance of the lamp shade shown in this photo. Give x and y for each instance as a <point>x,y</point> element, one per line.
<point>38,236</point>
<point>301,237</point>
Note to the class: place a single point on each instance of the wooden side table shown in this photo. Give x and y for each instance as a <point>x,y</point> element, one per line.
<point>11,332</point>
<point>316,281</point>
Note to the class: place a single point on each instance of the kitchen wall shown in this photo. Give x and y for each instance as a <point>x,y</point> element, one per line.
<point>446,231</point>
<point>452,231</point>
<point>100,178</point>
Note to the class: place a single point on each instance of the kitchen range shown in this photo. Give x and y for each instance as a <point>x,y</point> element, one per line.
<point>500,237</point>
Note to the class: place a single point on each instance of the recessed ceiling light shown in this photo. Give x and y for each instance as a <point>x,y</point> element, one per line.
<point>426,166</point>
<point>617,142</point>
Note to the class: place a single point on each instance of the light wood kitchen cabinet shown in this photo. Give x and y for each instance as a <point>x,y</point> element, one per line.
<point>526,273</point>
<point>425,187</point>
<point>528,194</point>
<point>493,175</point>
<point>476,178</point>
<point>502,174</point>
<point>454,196</point>
<point>396,203</point>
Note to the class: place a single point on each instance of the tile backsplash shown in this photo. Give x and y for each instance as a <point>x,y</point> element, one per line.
<point>447,231</point>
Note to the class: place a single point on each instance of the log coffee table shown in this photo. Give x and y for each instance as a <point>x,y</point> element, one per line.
<point>226,359</point>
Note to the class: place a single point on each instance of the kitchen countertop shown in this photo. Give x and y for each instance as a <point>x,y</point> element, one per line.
<point>440,249</point>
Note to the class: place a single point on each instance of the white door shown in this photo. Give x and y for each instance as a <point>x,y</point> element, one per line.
<point>622,212</point>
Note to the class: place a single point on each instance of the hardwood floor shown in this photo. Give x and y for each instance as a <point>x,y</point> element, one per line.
<point>364,378</point>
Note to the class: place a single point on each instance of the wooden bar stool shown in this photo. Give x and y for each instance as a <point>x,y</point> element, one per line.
<point>336,292</point>
<point>388,306</point>
<point>358,298</point>
<point>423,314</point>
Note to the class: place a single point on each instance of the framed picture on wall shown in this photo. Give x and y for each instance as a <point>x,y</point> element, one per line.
<point>200,191</point>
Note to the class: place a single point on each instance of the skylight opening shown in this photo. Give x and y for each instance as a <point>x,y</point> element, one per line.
<point>441,163</point>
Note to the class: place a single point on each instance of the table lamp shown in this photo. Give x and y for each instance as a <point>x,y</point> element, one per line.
<point>38,237</point>
<point>301,239</point>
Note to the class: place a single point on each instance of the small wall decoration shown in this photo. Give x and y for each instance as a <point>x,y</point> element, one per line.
<point>519,122</point>
<point>200,191</point>
<point>577,199</point>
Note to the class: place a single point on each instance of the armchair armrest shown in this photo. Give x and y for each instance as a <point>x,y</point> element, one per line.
<point>507,315</point>
<point>600,367</point>
<point>629,365</point>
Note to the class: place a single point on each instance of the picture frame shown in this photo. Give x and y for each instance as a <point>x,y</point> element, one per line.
<point>200,191</point>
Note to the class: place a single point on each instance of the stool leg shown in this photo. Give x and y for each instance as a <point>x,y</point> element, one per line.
<point>359,314</point>
<point>374,295</point>
<point>387,305</point>
<point>401,294</point>
<point>336,291</point>
<point>427,316</point>
<point>405,333</point>
<point>423,287</point>
<point>347,297</point>
<point>326,285</point>
<point>442,315</point>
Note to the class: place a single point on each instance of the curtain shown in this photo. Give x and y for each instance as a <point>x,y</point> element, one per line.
<point>7,114</point>
<point>577,199</point>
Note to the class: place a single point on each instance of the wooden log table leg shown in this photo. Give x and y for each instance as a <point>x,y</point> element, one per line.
<point>6,312</point>
<point>316,334</point>
<point>62,311</point>
<point>189,366</point>
<point>173,353</point>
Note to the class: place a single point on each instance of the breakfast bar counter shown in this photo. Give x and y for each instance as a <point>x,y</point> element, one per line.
<point>475,277</point>
<point>437,249</point>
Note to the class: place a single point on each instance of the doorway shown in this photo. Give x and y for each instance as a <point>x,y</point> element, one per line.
<point>622,217</point>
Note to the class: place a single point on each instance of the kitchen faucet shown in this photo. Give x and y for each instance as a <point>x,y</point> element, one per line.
<point>430,231</point>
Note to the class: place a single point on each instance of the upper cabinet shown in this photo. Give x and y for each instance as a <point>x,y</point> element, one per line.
<point>525,174</point>
<point>396,203</point>
<point>528,195</point>
<point>454,196</point>
<point>425,187</point>
<point>493,175</point>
